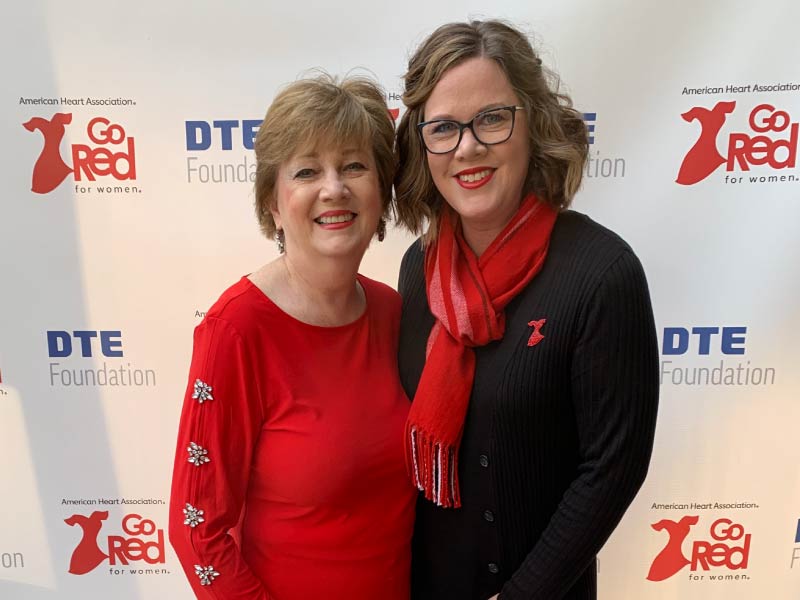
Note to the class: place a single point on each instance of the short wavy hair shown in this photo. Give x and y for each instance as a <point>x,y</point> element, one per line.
<point>559,143</point>
<point>320,111</point>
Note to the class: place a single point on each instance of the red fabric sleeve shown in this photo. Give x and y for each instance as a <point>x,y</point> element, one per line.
<point>226,424</point>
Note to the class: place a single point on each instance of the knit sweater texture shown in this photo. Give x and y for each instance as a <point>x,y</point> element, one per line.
<point>559,430</point>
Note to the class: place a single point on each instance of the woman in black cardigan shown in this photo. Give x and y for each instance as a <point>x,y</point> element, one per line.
<point>527,337</point>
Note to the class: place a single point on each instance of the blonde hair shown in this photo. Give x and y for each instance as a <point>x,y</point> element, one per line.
<point>322,110</point>
<point>558,137</point>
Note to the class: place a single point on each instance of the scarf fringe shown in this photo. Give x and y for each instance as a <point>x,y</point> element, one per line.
<point>433,468</point>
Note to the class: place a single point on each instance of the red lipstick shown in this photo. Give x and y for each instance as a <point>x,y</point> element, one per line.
<point>471,185</point>
<point>337,224</point>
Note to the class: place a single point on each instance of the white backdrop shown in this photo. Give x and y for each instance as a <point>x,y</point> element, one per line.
<point>88,419</point>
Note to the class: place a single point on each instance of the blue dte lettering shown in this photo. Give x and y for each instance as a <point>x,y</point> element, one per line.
<point>705,333</point>
<point>732,336</point>
<point>59,343</point>
<point>676,340</point>
<point>797,535</point>
<point>192,140</point>
<point>199,133</point>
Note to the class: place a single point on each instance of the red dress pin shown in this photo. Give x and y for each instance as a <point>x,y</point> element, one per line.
<point>536,336</point>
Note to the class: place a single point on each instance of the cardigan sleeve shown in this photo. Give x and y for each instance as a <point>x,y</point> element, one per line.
<point>220,422</point>
<point>615,398</point>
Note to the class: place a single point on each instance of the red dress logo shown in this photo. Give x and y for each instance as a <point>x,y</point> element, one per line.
<point>704,158</point>
<point>87,554</point>
<point>536,336</point>
<point>49,170</point>
<point>671,559</point>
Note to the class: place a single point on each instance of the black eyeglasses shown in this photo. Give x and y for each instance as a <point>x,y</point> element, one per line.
<point>493,126</point>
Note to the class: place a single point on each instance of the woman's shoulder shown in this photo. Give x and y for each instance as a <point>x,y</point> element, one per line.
<point>413,262</point>
<point>411,279</point>
<point>379,295</point>
<point>583,241</point>
<point>414,255</point>
<point>572,226</point>
<point>589,255</point>
<point>237,306</point>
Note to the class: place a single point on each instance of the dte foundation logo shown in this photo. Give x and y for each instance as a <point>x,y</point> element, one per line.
<point>225,135</point>
<point>769,145</point>
<point>140,542</point>
<point>598,166</point>
<point>77,346</point>
<point>111,154</point>
<point>689,357</point>
<point>724,549</point>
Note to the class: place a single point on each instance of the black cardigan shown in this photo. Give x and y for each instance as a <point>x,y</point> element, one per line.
<point>558,435</point>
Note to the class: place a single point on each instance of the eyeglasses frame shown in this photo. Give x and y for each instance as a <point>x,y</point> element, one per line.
<point>469,125</point>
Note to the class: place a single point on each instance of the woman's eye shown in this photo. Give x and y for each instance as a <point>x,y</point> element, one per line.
<point>355,166</point>
<point>444,128</point>
<point>494,118</point>
<point>303,173</point>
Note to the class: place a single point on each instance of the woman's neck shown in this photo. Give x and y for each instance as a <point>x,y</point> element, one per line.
<point>479,234</point>
<point>325,294</point>
<point>479,238</point>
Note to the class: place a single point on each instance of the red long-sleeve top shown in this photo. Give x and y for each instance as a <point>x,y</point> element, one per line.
<point>291,444</point>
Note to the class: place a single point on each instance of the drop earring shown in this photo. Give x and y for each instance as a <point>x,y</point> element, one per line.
<point>280,239</point>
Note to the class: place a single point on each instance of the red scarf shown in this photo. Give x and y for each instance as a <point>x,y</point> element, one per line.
<point>467,295</point>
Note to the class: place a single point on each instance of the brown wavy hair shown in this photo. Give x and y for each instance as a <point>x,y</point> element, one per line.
<point>320,111</point>
<point>559,143</point>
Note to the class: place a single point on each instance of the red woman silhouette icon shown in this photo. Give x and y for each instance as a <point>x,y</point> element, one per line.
<point>49,170</point>
<point>704,158</point>
<point>87,554</point>
<point>671,559</point>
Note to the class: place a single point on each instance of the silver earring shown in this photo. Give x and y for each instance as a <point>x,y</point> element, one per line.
<point>281,240</point>
<point>381,230</point>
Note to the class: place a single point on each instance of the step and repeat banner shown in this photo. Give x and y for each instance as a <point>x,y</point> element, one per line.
<point>128,167</point>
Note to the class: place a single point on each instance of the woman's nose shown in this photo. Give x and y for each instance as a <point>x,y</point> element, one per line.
<point>469,146</point>
<point>333,186</point>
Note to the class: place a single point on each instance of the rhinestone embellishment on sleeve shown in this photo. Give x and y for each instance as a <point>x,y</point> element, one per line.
<point>202,391</point>
<point>206,574</point>
<point>197,454</point>
<point>194,516</point>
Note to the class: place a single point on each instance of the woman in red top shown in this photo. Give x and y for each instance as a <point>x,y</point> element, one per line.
<point>289,479</point>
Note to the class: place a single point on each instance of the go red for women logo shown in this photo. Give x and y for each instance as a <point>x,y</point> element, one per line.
<point>728,549</point>
<point>771,142</point>
<point>142,541</point>
<point>110,154</point>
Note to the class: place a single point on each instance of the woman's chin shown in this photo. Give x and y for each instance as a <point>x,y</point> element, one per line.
<point>346,248</point>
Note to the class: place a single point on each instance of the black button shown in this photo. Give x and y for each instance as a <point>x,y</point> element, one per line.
<point>484,460</point>
<point>493,568</point>
<point>488,515</point>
